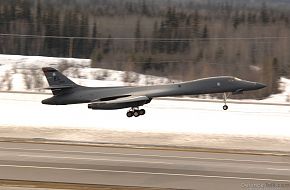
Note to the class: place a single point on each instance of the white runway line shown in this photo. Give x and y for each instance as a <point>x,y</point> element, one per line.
<point>94,159</point>
<point>139,155</point>
<point>146,173</point>
<point>136,161</point>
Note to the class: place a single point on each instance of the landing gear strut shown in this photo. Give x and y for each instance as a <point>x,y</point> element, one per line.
<point>135,111</point>
<point>225,107</point>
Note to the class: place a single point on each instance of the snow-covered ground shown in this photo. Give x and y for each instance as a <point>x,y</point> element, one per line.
<point>166,116</point>
<point>284,96</point>
<point>169,122</point>
<point>165,123</point>
<point>23,73</point>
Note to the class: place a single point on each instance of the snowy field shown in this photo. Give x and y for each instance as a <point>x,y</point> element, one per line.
<point>167,122</point>
<point>23,73</point>
<point>168,116</point>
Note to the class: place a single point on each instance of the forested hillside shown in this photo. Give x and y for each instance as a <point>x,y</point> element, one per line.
<point>179,39</point>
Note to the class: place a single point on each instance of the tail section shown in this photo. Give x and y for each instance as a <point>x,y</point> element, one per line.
<point>58,83</point>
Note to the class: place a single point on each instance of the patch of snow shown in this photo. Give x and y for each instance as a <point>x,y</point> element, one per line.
<point>162,116</point>
<point>78,70</point>
<point>284,96</point>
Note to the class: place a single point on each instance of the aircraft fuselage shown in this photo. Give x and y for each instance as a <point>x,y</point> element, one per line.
<point>210,85</point>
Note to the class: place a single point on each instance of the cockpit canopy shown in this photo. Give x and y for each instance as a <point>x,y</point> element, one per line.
<point>232,79</point>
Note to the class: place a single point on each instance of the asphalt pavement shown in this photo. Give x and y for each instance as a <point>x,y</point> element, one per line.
<point>143,167</point>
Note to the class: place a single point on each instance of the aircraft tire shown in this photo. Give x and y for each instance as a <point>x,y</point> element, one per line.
<point>129,114</point>
<point>142,112</point>
<point>225,107</point>
<point>136,113</point>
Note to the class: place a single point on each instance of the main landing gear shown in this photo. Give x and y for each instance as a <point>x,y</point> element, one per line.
<point>225,107</point>
<point>135,111</point>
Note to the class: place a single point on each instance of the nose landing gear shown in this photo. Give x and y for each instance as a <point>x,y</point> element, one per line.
<point>136,112</point>
<point>225,107</point>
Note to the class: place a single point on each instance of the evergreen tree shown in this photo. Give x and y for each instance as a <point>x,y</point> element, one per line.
<point>276,75</point>
<point>108,46</point>
<point>155,44</point>
<point>236,20</point>
<point>196,24</point>
<point>138,43</point>
<point>205,32</point>
<point>264,14</point>
<point>145,10</point>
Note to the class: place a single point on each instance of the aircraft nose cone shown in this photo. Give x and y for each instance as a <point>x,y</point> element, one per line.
<point>44,101</point>
<point>260,85</point>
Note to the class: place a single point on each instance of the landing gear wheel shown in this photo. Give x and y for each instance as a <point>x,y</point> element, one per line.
<point>129,114</point>
<point>225,107</point>
<point>141,112</point>
<point>136,113</point>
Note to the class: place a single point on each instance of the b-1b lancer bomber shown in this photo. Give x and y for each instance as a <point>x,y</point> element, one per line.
<point>66,92</point>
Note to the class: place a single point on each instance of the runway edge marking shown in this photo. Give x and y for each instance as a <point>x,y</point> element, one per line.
<point>148,173</point>
<point>149,147</point>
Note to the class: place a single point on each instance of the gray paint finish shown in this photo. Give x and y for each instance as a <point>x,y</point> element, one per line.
<point>67,92</point>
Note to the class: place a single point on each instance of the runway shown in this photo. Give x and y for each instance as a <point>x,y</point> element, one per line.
<point>144,167</point>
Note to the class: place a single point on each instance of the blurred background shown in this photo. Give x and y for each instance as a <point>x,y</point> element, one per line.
<point>176,39</point>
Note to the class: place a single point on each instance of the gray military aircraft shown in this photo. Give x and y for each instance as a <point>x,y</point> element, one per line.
<point>66,91</point>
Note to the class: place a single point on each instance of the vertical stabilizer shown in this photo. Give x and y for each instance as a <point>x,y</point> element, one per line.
<point>58,83</point>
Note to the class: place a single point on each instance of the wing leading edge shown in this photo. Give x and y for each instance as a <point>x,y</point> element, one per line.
<point>119,103</point>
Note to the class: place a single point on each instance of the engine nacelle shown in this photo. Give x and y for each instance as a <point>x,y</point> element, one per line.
<point>118,105</point>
